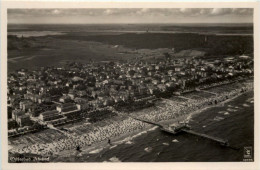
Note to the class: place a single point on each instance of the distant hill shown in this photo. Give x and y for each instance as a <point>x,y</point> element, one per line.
<point>16,43</point>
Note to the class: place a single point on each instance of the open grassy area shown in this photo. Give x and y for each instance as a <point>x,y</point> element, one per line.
<point>59,51</point>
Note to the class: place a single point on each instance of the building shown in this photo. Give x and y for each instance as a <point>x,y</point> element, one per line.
<point>24,120</point>
<point>49,115</point>
<point>17,113</point>
<point>64,99</point>
<point>67,107</point>
<point>26,105</point>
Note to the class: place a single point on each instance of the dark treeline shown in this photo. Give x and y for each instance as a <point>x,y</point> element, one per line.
<point>211,28</point>
<point>212,44</point>
<point>18,43</point>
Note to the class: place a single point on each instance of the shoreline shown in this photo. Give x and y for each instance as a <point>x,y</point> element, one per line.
<point>129,134</point>
<point>103,145</point>
<point>98,147</point>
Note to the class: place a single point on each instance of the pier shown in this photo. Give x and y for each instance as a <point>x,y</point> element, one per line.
<point>185,128</point>
<point>146,121</point>
<point>215,139</point>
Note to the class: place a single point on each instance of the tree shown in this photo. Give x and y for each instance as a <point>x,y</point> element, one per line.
<point>167,55</point>
<point>131,72</point>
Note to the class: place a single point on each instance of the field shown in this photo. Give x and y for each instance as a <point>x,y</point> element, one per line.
<point>56,52</point>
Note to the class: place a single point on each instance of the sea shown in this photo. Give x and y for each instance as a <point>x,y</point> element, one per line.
<point>233,121</point>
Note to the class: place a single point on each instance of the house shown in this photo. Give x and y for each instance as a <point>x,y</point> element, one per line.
<point>81,93</point>
<point>108,101</point>
<point>142,89</point>
<point>124,95</point>
<point>151,89</point>
<point>80,100</point>
<point>155,81</point>
<point>158,67</point>
<point>72,95</point>
<point>44,98</point>
<point>64,98</point>
<point>118,82</point>
<point>76,79</point>
<point>26,104</point>
<point>170,84</point>
<point>117,99</point>
<point>178,69</point>
<point>170,72</point>
<point>161,87</point>
<point>82,106</point>
<point>17,113</point>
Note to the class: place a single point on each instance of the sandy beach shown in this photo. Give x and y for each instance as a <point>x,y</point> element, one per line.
<point>98,147</point>
<point>93,139</point>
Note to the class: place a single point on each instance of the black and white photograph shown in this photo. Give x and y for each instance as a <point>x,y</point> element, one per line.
<point>92,85</point>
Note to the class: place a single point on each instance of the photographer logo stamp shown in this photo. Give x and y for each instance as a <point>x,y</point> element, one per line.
<point>248,154</point>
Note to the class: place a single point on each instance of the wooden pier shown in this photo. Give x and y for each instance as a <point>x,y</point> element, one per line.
<point>146,121</point>
<point>186,129</point>
<point>216,139</point>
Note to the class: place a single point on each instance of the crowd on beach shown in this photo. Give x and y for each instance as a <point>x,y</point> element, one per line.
<point>175,109</point>
<point>97,134</point>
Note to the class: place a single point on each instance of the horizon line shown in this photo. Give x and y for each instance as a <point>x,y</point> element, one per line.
<point>123,23</point>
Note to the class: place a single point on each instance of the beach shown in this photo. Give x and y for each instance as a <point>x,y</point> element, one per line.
<point>93,139</point>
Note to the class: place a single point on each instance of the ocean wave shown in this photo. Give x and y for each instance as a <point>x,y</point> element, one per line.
<point>250,99</point>
<point>231,110</point>
<point>114,159</point>
<point>152,129</point>
<point>245,105</point>
<point>226,113</point>
<point>139,134</point>
<point>218,118</point>
<point>113,146</point>
<point>129,142</point>
<point>96,151</point>
<point>175,140</point>
<point>148,149</point>
<point>166,144</point>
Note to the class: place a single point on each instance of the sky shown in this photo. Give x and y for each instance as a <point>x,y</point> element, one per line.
<point>129,15</point>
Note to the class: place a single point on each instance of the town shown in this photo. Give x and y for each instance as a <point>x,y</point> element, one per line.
<point>137,83</point>
<point>60,95</point>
